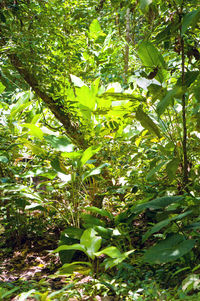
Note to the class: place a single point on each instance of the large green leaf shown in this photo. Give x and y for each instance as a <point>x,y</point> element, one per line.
<point>102,212</point>
<point>151,58</point>
<point>147,122</point>
<point>34,130</point>
<point>2,87</point>
<point>158,203</point>
<point>94,171</point>
<point>170,249</point>
<point>190,19</point>
<point>171,168</point>
<point>112,252</point>
<point>157,227</point>
<point>4,159</point>
<point>89,221</point>
<point>91,242</point>
<point>154,170</point>
<point>57,165</point>
<point>62,144</point>
<point>189,78</point>
<point>144,4</point>
<point>165,102</point>
<point>88,153</point>
<point>95,29</point>
<point>78,247</point>
<point>111,262</point>
<point>81,267</point>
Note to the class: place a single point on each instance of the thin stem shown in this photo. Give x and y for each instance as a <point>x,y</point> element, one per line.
<point>184,141</point>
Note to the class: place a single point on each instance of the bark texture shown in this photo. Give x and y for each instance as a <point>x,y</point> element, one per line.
<point>55,106</point>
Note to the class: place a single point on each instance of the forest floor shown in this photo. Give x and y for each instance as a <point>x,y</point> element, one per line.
<point>32,266</point>
<point>29,265</point>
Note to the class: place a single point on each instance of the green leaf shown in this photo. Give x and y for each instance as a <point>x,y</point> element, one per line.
<point>104,232</point>
<point>91,242</point>
<point>62,144</point>
<point>171,168</point>
<point>34,130</point>
<point>155,228</point>
<point>158,203</point>
<point>18,108</point>
<point>2,87</point>
<point>73,232</point>
<point>94,171</point>
<point>154,170</point>
<point>79,266</point>
<point>4,159</point>
<point>144,4</point>
<point>34,148</point>
<point>147,122</point>
<point>95,29</point>
<point>190,19</point>
<point>88,153</point>
<point>151,58</point>
<point>166,101</point>
<point>78,247</point>
<point>113,261</point>
<point>58,166</point>
<point>112,252</point>
<point>190,77</point>
<point>170,249</point>
<point>99,211</point>
<point>90,221</point>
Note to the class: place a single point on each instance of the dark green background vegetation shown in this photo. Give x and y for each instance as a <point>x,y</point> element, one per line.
<point>100,147</point>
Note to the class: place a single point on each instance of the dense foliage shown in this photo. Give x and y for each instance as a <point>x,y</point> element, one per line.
<point>99,150</point>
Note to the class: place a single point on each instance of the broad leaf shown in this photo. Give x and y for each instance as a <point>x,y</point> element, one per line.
<point>170,249</point>
<point>144,4</point>
<point>102,212</point>
<point>190,19</point>
<point>154,170</point>
<point>95,29</point>
<point>190,77</point>
<point>78,247</point>
<point>33,130</point>
<point>90,221</point>
<point>57,165</point>
<point>165,102</point>
<point>4,159</point>
<point>91,242</point>
<point>162,224</point>
<point>171,168</point>
<point>104,232</point>
<point>158,203</point>
<point>155,228</point>
<point>94,171</point>
<point>151,58</point>
<point>2,87</point>
<point>147,122</point>
<point>88,153</point>
<point>79,266</point>
<point>112,252</point>
<point>62,144</point>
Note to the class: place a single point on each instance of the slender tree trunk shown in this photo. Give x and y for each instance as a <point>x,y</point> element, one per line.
<point>128,39</point>
<point>184,122</point>
<point>184,142</point>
